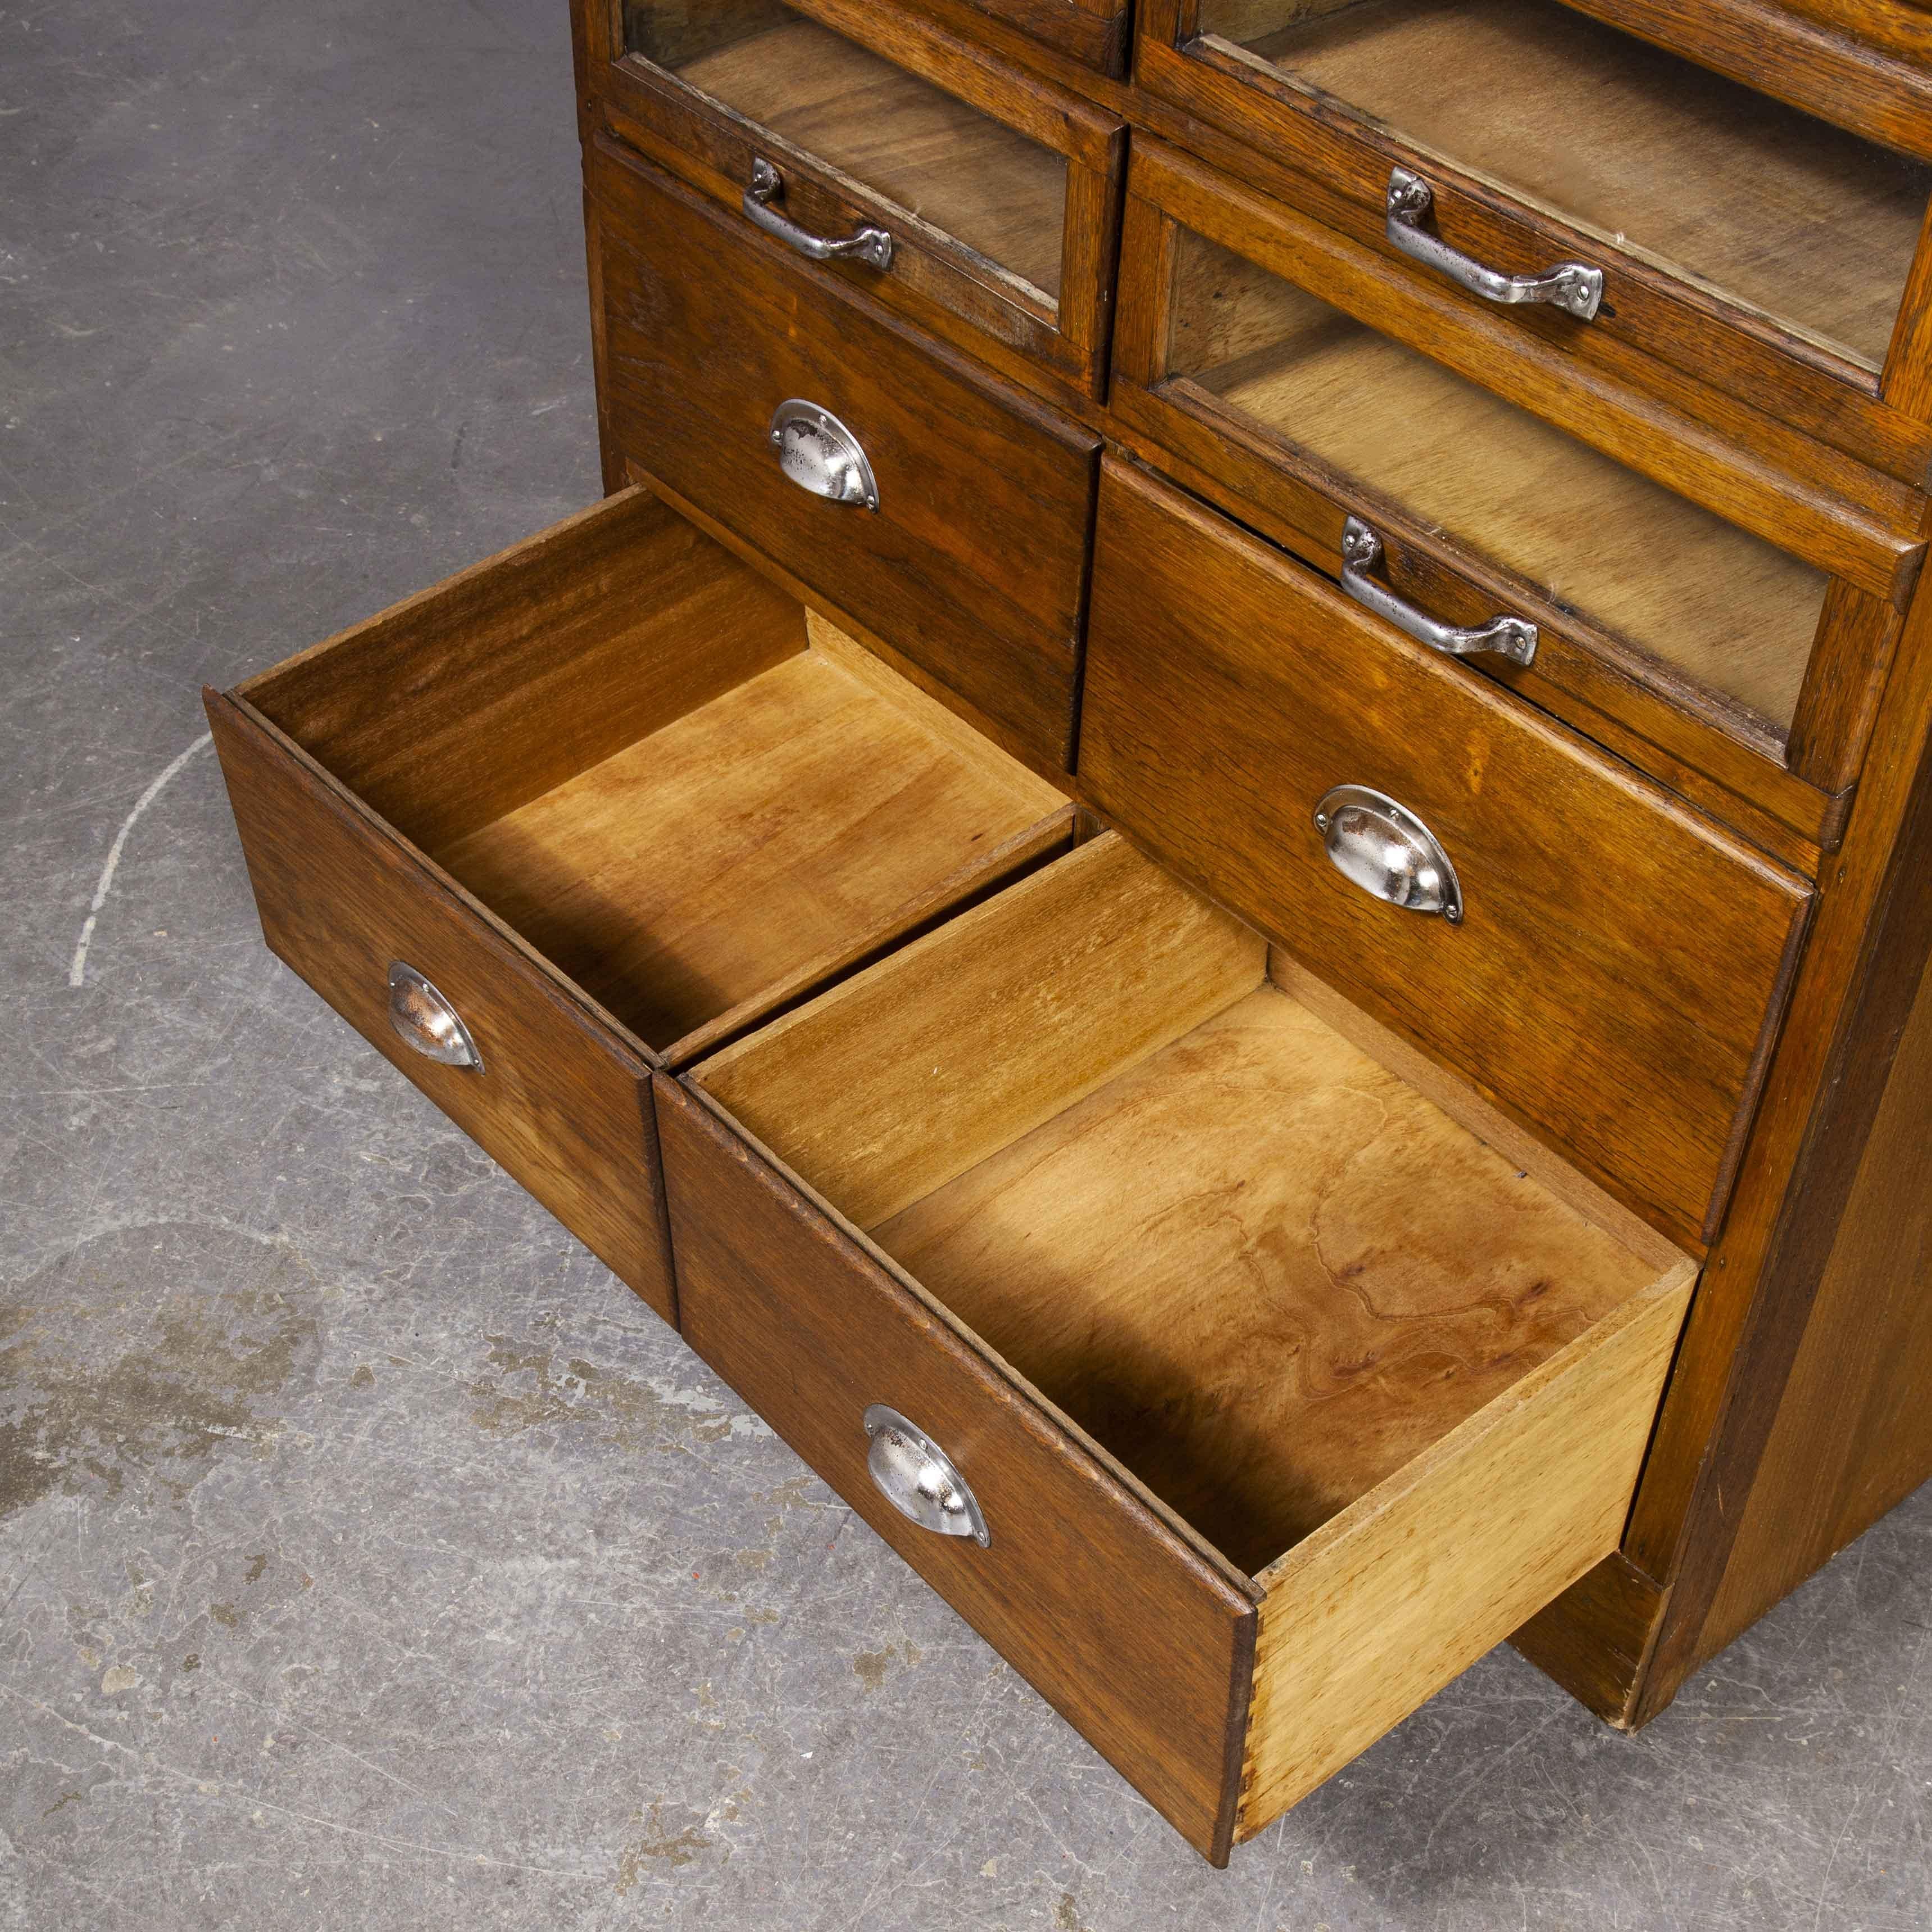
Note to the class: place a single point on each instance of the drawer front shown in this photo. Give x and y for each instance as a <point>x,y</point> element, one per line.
<point>1127,1631</point>
<point>1723,234</point>
<point>1616,976</point>
<point>981,204</point>
<point>559,1102</point>
<point>974,562</point>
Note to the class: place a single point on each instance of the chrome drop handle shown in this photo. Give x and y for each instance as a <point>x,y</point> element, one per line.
<point>821,455</point>
<point>1573,286</point>
<point>1512,637</point>
<point>870,244</point>
<point>425,1019</point>
<point>915,1476</point>
<point>1385,849</point>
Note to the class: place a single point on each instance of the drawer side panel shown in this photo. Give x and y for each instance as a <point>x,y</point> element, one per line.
<point>1386,1603</point>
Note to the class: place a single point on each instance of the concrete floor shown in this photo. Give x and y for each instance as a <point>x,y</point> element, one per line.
<point>369,1558</point>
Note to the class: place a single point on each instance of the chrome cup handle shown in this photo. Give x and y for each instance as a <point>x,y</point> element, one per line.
<point>1575,287</point>
<point>1382,846</point>
<point>873,245</point>
<point>1515,638</point>
<point>425,1019</point>
<point>916,1476</point>
<point>819,454</point>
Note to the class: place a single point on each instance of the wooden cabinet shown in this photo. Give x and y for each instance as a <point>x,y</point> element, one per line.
<point>1258,967</point>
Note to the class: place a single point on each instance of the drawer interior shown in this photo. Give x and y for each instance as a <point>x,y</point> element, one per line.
<point>1579,530</point>
<point>929,153</point>
<point>1774,211</point>
<point>1272,1277</point>
<point>697,799</point>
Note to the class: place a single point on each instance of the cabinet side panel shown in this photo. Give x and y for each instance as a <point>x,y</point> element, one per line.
<point>1853,1434</point>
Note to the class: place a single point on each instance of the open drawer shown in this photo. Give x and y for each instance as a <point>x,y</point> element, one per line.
<point>590,808</point>
<point>1237,1393</point>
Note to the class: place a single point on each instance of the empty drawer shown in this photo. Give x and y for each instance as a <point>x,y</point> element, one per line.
<point>1238,1393</point>
<point>590,807</point>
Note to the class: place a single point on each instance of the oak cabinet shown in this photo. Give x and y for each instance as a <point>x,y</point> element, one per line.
<point>1217,861</point>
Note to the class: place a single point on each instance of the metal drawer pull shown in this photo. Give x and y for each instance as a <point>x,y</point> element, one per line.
<point>1385,849</point>
<point>425,1019</point>
<point>1512,637</point>
<point>870,244</point>
<point>821,455</point>
<point>914,1474</point>
<point>1573,286</point>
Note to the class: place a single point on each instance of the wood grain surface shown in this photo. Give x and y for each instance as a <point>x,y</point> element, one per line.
<point>1129,1629</point>
<point>475,696</point>
<point>1390,1599</point>
<point>1006,1016</point>
<point>975,563</point>
<point>803,815</point>
<point>1094,31</point>
<point>562,1100</point>
<point>1227,690</point>
<point>1853,1434</point>
<point>1261,1271</point>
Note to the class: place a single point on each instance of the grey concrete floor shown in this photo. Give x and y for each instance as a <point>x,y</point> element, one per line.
<point>367,1556</point>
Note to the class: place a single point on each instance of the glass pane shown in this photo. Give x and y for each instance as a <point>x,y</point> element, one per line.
<point>1762,204</point>
<point>1689,588</point>
<point>1001,194</point>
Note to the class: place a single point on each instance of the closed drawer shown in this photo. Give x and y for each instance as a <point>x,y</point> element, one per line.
<point>1701,608</point>
<point>973,562</point>
<point>982,204</point>
<point>1620,965</point>
<point>613,800</point>
<point>1724,234</point>
<point>1278,1395</point>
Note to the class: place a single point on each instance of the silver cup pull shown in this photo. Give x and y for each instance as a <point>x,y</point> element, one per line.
<point>1515,638</point>
<point>822,456</point>
<point>870,244</point>
<point>1385,849</point>
<point>425,1019</point>
<point>915,1476</point>
<point>1573,286</point>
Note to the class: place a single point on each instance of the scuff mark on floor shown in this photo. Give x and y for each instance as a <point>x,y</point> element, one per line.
<point>77,971</point>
